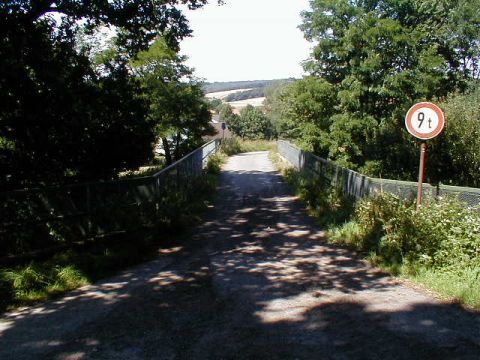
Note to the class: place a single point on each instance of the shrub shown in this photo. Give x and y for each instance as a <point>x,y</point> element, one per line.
<point>441,234</point>
<point>323,199</point>
<point>231,146</point>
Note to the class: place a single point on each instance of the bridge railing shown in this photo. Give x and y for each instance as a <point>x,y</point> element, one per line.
<point>358,185</point>
<point>35,219</point>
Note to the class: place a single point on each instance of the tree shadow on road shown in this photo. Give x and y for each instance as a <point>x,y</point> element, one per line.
<point>256,281</point>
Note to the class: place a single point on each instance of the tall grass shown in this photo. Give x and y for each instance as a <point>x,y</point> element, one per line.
<point>437,245</point>
<point>237,145</point>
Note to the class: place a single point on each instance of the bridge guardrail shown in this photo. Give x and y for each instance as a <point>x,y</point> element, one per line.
<point>92,209</point>
<point>358,185</point>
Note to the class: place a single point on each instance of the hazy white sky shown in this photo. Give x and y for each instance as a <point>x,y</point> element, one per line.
<point>247,40</point>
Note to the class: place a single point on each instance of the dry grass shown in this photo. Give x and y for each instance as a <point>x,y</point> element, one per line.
<point>257,102</point>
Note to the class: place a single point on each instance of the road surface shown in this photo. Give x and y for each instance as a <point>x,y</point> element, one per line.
<point>255,281</point>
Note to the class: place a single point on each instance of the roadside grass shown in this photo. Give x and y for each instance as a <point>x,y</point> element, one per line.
<point>279,162</point>
<point>237,145</point>
<point>41,279</point>
<point>462,285</point>
<point>156,165</point>
<point>437,246</point>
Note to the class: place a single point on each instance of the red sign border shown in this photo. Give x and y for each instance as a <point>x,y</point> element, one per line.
<point>430,135</point>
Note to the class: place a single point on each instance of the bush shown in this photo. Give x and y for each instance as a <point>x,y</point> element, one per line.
<point>441,233</point>
<point>437,245</point>
<point>323,199</point>
<point>439,241</point>
<point>231,146</point>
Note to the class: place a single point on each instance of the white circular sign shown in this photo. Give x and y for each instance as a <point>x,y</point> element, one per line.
<point>425,120</point>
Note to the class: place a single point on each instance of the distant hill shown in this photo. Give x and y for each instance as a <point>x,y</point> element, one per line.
<point>238,85</point>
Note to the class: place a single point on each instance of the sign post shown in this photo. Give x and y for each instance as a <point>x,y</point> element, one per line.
<point>421,173</point>
<point>223,130</point>
<point>424,121</point>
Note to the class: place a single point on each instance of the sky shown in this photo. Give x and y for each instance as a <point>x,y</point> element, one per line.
<point>247,40</point>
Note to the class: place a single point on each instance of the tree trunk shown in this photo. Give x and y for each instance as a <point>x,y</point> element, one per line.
<point>177,146</point>
<point>166,148</point>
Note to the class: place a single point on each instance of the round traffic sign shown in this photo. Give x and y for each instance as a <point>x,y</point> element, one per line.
<point>425,120</point>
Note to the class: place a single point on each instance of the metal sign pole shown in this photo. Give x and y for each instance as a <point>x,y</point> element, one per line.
<point>424,121</point>
<point>421,174</point>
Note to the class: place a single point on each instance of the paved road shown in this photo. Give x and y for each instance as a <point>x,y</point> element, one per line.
<point>255,281</point>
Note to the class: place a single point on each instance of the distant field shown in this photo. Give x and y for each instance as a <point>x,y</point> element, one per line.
<point>243,103</point>
<point>223,94</point>
<point>239,94</point>
<point>238,85</point>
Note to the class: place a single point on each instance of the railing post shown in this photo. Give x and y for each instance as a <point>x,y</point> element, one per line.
<point>89,211</point>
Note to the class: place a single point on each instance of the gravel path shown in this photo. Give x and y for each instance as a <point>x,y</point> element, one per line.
<point>255,281</point>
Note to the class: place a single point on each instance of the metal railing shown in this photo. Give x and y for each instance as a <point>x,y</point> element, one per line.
<point>358,185</point>
<point>91,209</point>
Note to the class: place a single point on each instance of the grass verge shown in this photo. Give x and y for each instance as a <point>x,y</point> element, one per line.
<point>25,284</point>
<point>236,145</point>
<point>437,246</point>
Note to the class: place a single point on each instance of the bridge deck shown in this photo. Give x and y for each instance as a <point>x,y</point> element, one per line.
<point>256,280</point>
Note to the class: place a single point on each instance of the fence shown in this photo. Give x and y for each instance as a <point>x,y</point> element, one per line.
<point>34,219</point>
<point>358,185</point>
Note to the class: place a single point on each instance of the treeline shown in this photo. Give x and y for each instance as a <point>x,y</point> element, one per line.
<point>237,85</point>
<point>74,109</point>
<point>372,61</point>
<point>244,95</point>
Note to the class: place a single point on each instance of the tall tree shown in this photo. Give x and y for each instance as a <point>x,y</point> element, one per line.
<point>229,117</point>
<point>60,119</point>
<point>303,110</point>
<point>178,108</point>
<point>381,56</point>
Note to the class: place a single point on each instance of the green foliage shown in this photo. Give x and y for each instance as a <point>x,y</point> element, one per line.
<point>372,60</point>
<point>215,162</point>
<point>440,234</point>
<point>324,201</point>
<point>215,104</point>
<point>302,110</point>
<point>460,284</point>
<point>178,110</point>
<point>252,124</point>
<point>35,281</point>
<point>65,117</point>
<point>439,241</point>
<point>228,117</point>
<point>232,146</point>
<point>437,245</point>
<point>458,149</point>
